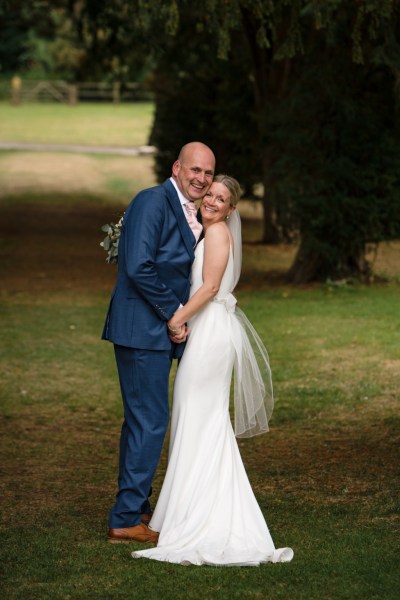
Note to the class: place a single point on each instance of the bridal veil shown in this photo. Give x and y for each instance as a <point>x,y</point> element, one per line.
<point>253,391</point>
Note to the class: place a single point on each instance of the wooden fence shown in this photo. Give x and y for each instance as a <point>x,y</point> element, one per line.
<point>19,91</point>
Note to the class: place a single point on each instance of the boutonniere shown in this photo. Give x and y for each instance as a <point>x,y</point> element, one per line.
<point>111,241</point>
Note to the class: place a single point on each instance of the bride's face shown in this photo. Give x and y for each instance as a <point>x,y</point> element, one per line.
<point>216,204</point>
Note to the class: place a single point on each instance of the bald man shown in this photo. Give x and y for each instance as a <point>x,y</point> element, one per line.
<point>155,255</point>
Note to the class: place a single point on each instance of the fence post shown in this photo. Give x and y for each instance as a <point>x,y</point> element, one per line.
<point>72,94</point>
<point>116,92</point>
<point>15,90</point>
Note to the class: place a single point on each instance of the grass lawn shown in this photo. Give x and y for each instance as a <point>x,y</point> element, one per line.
<point>89,124</point>
<point>45,176</point>
<point>326,475</point>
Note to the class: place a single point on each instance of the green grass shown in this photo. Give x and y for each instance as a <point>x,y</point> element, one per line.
<point>89,124</point>
<point>325,476</point>
<point>334,505</point>
<point>330,347</point>
<point>317,573</point>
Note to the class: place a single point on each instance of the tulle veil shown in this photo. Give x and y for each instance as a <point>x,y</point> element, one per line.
<point>253,390</point>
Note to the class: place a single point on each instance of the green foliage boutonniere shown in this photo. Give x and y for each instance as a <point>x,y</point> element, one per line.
<point>111,241</point>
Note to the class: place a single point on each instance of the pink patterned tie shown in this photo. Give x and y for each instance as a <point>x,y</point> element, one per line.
<point>191,212</point>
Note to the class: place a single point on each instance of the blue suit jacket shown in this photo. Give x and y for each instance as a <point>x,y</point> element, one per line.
<point>155,255</point>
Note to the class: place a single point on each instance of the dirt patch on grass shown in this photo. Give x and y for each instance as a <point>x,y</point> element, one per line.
<point>49,172</point>
<point>356,465</point>
<point>55,248</point>
<point>66,463</point>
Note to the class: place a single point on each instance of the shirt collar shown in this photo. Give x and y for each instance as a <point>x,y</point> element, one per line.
<point>183,200</point>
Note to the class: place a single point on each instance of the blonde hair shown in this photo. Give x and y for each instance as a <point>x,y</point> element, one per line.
<point>232,185</point>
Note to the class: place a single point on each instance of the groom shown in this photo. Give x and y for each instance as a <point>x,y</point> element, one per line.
<point>156,252</point>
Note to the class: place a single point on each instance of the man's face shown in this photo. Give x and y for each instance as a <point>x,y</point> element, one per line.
<point>194,172</point>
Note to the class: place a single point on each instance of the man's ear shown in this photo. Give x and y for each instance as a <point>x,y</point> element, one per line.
<point>176,167</point>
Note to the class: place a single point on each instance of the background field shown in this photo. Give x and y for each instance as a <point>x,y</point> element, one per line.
<point>326,476</point>
<point>91,124</point>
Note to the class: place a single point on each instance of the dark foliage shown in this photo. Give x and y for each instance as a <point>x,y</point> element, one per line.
<point>298,97</point>
<point>327,149</point>
<point>201,97</point>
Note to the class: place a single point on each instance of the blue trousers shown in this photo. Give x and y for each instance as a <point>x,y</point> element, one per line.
<point>143,376</point>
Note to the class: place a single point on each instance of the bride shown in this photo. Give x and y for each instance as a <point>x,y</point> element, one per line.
<point>206,512</point>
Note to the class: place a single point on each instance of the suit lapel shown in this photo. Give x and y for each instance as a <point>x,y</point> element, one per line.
<point>183,225</point>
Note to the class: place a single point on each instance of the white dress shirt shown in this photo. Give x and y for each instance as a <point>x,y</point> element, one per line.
<point>183,200</point>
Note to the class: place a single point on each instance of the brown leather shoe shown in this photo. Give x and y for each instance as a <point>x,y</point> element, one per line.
<point>138,533</point>
<point>146,518</point>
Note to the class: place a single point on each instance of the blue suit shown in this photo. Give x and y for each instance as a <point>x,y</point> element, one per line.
<point>155,256</point>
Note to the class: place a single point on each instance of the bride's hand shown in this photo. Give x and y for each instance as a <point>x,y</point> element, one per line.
<point>177,334</point>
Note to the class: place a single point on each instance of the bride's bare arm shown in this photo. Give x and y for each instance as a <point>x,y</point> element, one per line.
<point>216,254</point>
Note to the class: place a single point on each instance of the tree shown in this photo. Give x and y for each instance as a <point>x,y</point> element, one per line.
<point>19,21</point>
<point>296,95</point>
<point>74,40</point>
<point>198,97</point>
<point>305,159</point>
<point>340,170</point>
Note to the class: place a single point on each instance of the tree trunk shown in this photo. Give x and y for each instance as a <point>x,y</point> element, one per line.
<point>305,267</point>
<point>270,230</point>
<point>309,265</point>
<point>270,85</point>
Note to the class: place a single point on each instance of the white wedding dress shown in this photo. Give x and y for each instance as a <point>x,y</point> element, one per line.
<point>206,512</point>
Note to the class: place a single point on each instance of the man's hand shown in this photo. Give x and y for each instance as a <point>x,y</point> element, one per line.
<point>177,334</point>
